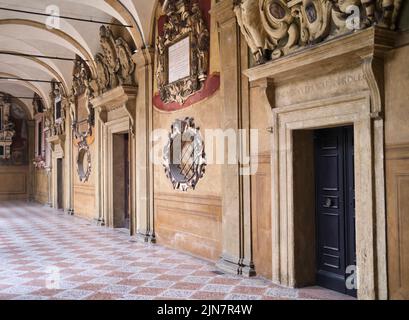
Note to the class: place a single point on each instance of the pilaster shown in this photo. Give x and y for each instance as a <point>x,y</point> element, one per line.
<point>145,221</point>
<point>236,222</point>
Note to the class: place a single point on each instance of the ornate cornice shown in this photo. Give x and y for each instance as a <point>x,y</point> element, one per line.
<point>348,51</point>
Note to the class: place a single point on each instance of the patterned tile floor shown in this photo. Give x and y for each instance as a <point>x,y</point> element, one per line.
<point>45,254</point>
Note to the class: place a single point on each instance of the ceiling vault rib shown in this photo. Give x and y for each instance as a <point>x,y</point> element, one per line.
<point>37,56</point>
<point>66,17</point>
<point>25,98</point>
<point>28,80</point>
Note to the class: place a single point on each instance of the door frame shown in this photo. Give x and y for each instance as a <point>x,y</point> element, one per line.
<point>57,153</point>
<point>119,126</point>
<point>353,109</point>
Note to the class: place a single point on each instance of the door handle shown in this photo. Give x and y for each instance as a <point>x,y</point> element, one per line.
<point>327,203</point>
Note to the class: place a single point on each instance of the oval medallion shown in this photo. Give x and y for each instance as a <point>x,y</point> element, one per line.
<point>277,10</point>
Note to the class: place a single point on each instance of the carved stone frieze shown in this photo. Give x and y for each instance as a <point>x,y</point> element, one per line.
<point>273,28</point>
<point>184,19</point>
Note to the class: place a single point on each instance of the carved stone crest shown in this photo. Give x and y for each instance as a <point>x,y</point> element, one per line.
<point>273,28</point>
<point>114,65</point>
<point>184,155</point>
<point>84,165</point>
<point>184,19</point>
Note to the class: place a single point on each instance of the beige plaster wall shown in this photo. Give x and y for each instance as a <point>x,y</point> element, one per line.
<point>13,183</point>
<point>84,192</point>
<point>190,221</point>
<point>41,186</point>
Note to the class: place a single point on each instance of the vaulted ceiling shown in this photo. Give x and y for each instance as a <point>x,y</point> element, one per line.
<point>26,33</point>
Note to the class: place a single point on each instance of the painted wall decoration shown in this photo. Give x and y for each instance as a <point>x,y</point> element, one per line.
<point>13,133</point>
<point>274,28</point>
<point>184,155</point>
<point>182,55</point>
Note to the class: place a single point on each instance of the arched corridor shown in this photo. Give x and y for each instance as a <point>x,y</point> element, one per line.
<point>194,149</point>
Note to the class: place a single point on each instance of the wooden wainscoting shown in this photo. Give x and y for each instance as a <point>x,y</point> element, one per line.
<point>13,183</point>
<point>261,215</point>
<point>397,190</point>
<point>189,223</point>
<point>41,186</point>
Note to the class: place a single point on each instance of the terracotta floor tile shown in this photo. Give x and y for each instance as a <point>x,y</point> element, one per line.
<point>104,296</point>
<point>147,291</point>
<point>249,290</point>
<point>187,286</point>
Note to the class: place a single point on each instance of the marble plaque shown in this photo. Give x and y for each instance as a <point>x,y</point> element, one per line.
<point>179,60</point>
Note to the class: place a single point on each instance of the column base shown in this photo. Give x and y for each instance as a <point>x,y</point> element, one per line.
<point>234,266</point>
<point>99,222</point>
<point>145,237</point>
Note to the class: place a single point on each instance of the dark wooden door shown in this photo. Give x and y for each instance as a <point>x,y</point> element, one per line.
<point>335,209</point>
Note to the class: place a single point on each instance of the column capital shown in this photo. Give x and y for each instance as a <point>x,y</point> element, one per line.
<point>143,57</point>
<point>223,11</point>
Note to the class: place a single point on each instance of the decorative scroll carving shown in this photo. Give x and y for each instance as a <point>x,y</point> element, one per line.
<point>249,19</point>
<point>103,80</point>
<point>274,28</point>
<point>81,76</point>
<point>110,58</point>
<point>126,64</point>
<point>184,155</point>
<point>115,65</point>
<point>184,19</point>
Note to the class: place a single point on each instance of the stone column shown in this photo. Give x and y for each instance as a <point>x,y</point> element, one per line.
<point>31,155</point>
<point>49,169</point>
<point>236,222</point>
<point>145,223</point>
<point>100,119</point>
<point>69,163</point>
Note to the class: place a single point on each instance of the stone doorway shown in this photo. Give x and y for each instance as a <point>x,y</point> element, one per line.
<point>293,189</point>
